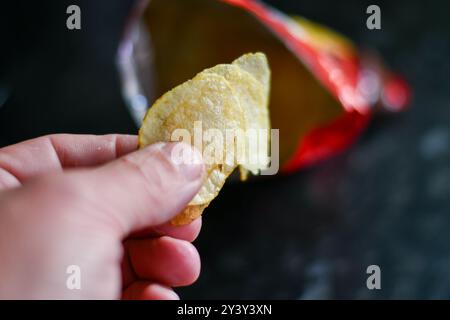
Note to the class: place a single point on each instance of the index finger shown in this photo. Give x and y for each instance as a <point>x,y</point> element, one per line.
<point>30,158</point>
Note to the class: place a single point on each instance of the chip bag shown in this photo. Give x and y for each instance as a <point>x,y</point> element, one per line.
<point>323,90</point>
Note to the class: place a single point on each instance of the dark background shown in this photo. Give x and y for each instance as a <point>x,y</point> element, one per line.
<point>386,201</point>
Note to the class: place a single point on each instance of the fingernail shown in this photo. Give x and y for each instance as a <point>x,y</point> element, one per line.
<point>188,159</point>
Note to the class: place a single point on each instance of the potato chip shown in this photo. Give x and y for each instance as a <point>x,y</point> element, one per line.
<point>256,64</point>
<point>222,99</point>
<point>252,93</point>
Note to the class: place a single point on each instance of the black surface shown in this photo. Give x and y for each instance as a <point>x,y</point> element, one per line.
<point>386,201</point>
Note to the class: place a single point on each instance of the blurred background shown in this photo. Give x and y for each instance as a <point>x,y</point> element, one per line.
<point>310,235</point>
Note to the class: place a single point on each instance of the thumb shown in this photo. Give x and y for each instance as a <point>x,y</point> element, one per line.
<point>145,188</point>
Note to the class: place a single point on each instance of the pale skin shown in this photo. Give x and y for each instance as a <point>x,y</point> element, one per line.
<point>97,203</point>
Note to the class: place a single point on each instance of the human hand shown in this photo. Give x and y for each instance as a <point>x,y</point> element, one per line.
<point>96,203</point>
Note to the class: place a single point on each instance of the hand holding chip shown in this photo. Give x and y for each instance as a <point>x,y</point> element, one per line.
<point>96,203</point>
<point>70,201</point>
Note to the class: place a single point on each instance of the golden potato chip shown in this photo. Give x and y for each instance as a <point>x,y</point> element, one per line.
<point>256,64</point>
<point>218,103</point>
<point>207,99</point>
<point>253,97</point>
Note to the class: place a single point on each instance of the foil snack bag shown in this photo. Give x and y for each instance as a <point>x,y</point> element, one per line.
<point>323,90</point>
